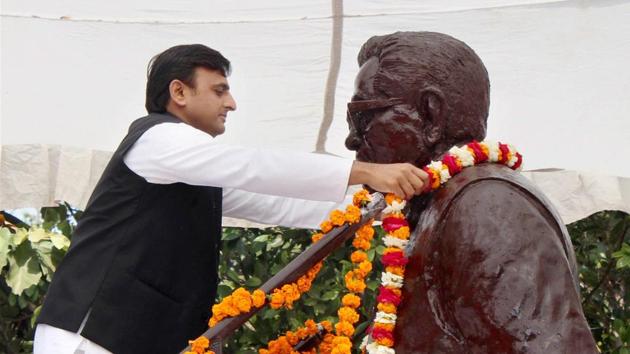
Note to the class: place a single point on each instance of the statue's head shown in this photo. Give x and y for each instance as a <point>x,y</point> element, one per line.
<point>416,95</point>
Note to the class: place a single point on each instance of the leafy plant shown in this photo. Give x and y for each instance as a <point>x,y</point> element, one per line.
<point>251,256</point>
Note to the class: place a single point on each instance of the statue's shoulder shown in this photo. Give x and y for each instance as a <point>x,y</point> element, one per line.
<point>487,184</point>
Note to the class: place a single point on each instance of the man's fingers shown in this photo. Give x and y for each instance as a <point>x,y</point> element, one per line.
<point>408,188</point>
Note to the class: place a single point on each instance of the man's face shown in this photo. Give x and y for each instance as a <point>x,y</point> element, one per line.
<point>392,132</point>
<point>208,102</point>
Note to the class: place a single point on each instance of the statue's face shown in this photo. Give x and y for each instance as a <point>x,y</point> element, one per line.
<point>383,128</point>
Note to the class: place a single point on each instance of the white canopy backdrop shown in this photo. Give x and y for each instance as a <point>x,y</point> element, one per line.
<point>73,77</point>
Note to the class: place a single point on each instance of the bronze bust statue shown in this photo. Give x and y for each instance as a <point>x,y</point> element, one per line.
<point>491,267</point>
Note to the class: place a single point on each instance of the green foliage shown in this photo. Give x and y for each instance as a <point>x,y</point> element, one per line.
<point>603,255</point>
<point>252,256</point>
<point>28,259</point>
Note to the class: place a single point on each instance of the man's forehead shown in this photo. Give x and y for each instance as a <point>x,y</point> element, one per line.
<point>214,77</point>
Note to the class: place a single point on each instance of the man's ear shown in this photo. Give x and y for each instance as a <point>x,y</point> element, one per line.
<point>432,108</point>
<point>176,90</point>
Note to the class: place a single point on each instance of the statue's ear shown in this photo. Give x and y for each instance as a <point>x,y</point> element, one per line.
<point>431,107</point>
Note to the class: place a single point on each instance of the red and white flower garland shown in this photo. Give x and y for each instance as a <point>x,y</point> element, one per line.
<point>381,337</point>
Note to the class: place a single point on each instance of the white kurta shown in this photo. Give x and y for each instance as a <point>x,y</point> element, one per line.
<point>273,187</point>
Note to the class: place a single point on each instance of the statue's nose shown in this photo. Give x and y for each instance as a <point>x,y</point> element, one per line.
<point>353,142</point>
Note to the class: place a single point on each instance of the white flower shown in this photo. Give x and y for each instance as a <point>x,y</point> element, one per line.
<point>493,150</point>
<point>464,155</point>
<point>395,207</point>
<point>383,317</point>
<point>391,241</point>
<point>445,175</point>
<point>364,343</point>
<point>375,348</point>
<point>391,279</point>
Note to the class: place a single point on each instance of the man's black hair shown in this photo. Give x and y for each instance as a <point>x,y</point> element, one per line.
<point>179,63</point>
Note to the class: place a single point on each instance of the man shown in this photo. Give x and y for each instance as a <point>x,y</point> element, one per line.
<point>141,273</point>
<point>491,267</point>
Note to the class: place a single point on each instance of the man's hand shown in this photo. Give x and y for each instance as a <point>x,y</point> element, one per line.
<point>403,179</point>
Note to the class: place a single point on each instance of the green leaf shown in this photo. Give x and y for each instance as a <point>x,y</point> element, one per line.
<point>37,234</point>
<point>330,294</point>
<point>59,241</point>
<point>24,270</point>
<point>623,256</point>
<point>253,281</point>
<point>228,236</point>
<point>5,241</point>
<point>19,237</point>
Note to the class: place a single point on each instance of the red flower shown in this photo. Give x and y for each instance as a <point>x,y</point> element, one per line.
<point>431,179</point>
<point>392,223</point>
<point>519,161</point>
<point>394,259</point>
<point>480,156</point>
<point>505,150</point>
<point>387,296</point>
<point>451,162</point>
<point>380,333</point>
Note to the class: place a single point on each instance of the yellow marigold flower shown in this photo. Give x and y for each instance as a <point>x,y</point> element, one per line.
<point>258,298</point>
<point>277,299</point>
<point>386,307</point>
<point>398,270</point>
<point>344,328</point>
<point>316,237</point>
<point>353,214</point>
<point>351,300</point>
<point>358,256</point>
<point>401,233</point>
<point>199,345</point>
<point>365,267</point>
<point>337,217</point>
<point>348,314</point>
<point>213,322</point>
<point>326,226</point>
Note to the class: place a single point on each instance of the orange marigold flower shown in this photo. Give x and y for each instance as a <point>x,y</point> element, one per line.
<point>327,325</point>
<point>361,244</point>
<point>337,217</point>
<point>212,322</point>
<point>366,231</point>
<point>326,226</point>
<point>311,326</point>
<point>304,284</point>
<point>242,300</point>
<point>316,237</point>
<point>351,300</point>
<point>385,342</point>
<point>361,198</point>
<point>390,198</point>
<point>386,326</point>
<point>401,233</point>
<point>344,328</point>
<point>398,270</point>
<point>258,298</point>
<point>353,214</point>
<point>263,351</point>
<point>365,267</point>
<point>348,314</point>
<point>277,299</point>
<point>199,345</point>
<point>341,345</point>
<point>292,338</point>
<point>358,256</point>
<point>386,307</point>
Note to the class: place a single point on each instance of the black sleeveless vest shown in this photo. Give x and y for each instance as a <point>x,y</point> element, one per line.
<point>143,260</point>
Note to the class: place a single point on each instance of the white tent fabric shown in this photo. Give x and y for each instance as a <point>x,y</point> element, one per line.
<point>73,76</point>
